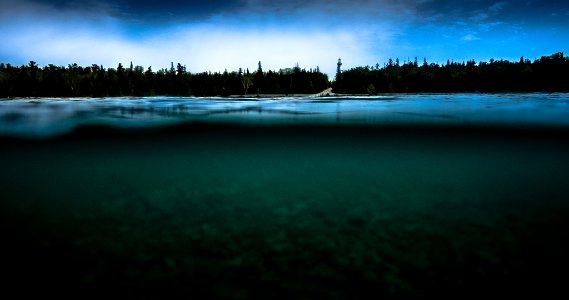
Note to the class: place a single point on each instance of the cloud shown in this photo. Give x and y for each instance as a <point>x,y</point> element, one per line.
<point>487,26</point>
<point>341,8</point>
<point>175,11</point>
<point>210,48</point>
<point>148,11</point>
<point>201,47</point>
<point>469,38</point>
<point>480,17</point>
<point>312,33</point>
<point>24,9</point>
<point>374,24</point>
<point>218,34</point>
<point>498,6</point>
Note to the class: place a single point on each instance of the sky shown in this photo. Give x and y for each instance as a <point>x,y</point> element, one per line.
<point>215,35</point>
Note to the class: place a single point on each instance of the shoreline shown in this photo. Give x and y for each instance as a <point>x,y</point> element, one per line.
<point>321,94</point>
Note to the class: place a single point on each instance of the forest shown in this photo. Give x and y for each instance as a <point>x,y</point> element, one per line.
<point>96,81</point>
<point>546,74</point>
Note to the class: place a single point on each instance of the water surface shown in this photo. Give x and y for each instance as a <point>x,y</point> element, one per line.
<point>49,117</point>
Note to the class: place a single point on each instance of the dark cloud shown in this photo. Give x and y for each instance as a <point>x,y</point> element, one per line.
<point>165,10</point>
<point>175,10</point>
<point>340,8</point>
<point>147,10</point>
<point>180,8</point>
<point>152,14</point>
<point>442,11</point>
<point>507,10</point>
<point>42,9</point>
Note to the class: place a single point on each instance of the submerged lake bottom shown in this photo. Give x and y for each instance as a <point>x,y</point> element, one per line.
<point>242,211</point>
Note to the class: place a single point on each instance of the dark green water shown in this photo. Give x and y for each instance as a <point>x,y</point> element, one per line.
<point>286,212</point>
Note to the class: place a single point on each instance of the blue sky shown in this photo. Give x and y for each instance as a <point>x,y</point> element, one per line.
<point>229,34</point>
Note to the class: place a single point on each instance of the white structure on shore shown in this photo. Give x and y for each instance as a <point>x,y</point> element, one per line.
<point>339,69</point>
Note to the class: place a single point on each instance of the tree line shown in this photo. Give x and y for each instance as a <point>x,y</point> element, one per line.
<point>546,74</point>
<point>96,81</point>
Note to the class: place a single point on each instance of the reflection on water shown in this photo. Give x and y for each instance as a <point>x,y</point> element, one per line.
<point>48,117</point>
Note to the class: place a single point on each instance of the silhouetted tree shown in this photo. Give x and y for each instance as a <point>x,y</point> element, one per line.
<point>548,73</point>
<point>259,79</point>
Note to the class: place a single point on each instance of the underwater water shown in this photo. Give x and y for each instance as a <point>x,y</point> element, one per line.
<point>403,196</point>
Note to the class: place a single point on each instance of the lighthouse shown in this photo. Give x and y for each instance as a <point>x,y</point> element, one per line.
<point>339,69</point>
